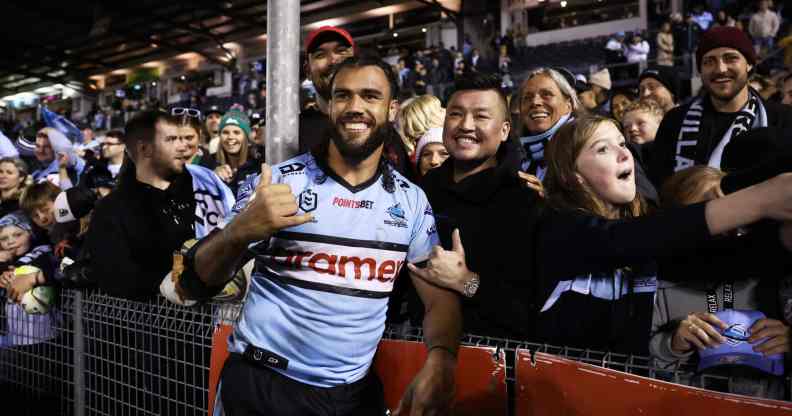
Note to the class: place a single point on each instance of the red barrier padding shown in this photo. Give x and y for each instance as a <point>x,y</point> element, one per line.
<point>219,355</point>
<point>558,386</point>
<point>480,377</point>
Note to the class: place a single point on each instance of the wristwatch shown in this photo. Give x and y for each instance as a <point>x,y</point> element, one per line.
<point>470,287</point>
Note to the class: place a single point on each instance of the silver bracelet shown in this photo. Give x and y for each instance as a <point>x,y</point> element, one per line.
<point>471,286</point>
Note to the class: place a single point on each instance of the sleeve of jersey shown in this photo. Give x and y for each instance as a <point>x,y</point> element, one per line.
<point>424,232</point>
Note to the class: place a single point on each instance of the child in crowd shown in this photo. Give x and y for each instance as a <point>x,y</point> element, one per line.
<point>640,123</point>
<point>430,151</point>
<point>696,320</point>
<point>641,120</point>
<point>26,336</point>
<point>38,203</point>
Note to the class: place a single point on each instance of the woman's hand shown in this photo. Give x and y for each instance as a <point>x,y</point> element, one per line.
<point>224,172</point>
<point>532,182</point>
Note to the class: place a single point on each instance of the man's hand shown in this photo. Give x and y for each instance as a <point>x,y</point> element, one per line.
<point>697,330</point>
<point>271,208</point>
<point>446,268</point>
<point>432,390</point>
<point>776,335</point>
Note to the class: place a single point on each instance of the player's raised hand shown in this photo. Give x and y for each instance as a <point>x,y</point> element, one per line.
<point>445,268</point>
<point>272,207</point>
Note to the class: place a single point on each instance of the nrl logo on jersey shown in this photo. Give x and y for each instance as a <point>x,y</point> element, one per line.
<point>398,218</point>
<point>308,200</point>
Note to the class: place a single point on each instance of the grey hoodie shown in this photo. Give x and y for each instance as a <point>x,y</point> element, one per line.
<point>674,301</point>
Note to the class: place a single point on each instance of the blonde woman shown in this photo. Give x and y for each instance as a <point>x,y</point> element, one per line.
<point>417,117</point>
<point>13,181</point>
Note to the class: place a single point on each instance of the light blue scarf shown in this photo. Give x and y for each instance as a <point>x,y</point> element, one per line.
<point>534,145</point>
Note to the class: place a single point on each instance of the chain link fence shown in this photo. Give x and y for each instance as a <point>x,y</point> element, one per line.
<point>94,354</point>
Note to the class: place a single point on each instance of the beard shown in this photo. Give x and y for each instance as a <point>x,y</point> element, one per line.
<point>322,83</point>
<point>739,83</point>
<point>167,168</point>
<point>356,153</point>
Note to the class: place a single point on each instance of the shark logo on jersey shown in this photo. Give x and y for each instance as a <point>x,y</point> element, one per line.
<point>308,200</point>
<point>397,216</point>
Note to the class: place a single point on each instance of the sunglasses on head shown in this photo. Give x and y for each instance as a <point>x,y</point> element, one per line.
<point>189,112</point>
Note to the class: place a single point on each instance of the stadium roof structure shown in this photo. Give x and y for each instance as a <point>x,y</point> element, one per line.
<point>49,43</point>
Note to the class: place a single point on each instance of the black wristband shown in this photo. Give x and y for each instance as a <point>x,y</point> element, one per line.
<point>190,282</point>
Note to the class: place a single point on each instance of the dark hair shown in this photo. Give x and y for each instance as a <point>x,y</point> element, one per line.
<point>118,134</point>
<point>362,61</point>
<point>478,81</point>
<point>141,128</point>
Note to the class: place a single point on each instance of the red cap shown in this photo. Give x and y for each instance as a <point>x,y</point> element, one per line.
<point>327,31</point>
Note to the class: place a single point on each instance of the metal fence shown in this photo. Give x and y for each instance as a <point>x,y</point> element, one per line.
<point>94,354</point>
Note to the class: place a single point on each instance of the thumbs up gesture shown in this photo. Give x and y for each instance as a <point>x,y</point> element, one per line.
<point>272,207</point>
<point>445,268</point>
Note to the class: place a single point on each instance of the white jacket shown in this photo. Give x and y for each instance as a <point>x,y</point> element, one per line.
<point>637,53</point>
<point>764,24</point>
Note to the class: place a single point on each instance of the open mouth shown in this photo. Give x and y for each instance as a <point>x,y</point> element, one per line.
<point>625,175</point>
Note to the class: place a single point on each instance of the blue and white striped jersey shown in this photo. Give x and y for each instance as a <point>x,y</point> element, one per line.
<point>319,291</point>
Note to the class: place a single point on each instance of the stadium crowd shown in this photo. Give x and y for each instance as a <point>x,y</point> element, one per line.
<point>561,210</point>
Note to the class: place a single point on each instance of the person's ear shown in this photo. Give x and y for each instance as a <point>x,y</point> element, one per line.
<point>393,110</point>
<point>505,129</point>
<point>146,150</point>
<point>580,179</point>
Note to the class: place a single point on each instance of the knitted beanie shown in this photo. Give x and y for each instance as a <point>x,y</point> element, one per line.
<point>601,78</point>
<point>236,118</point>
<point>725,37</point>
<point>667,77</point>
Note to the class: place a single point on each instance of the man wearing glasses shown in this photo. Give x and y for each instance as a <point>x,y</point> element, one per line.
<point>113,151</point>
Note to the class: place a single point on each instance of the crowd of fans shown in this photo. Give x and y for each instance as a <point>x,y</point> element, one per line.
<point>638,221</point>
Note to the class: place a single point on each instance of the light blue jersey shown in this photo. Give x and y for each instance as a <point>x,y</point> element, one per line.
<point>319,292</point>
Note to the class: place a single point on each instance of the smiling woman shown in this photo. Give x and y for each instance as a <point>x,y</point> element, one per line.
<point>547,102</point>
<point>235,163</point>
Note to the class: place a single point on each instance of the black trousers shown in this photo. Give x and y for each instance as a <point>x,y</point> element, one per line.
<point>253,389</point>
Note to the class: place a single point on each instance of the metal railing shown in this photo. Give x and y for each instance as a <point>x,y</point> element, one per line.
<point>94,354</point>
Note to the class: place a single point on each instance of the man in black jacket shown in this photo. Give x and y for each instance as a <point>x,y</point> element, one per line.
<point>698,133</point>
<point>477,191</point>
<point>136,229</point>
<point>158,205</point>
